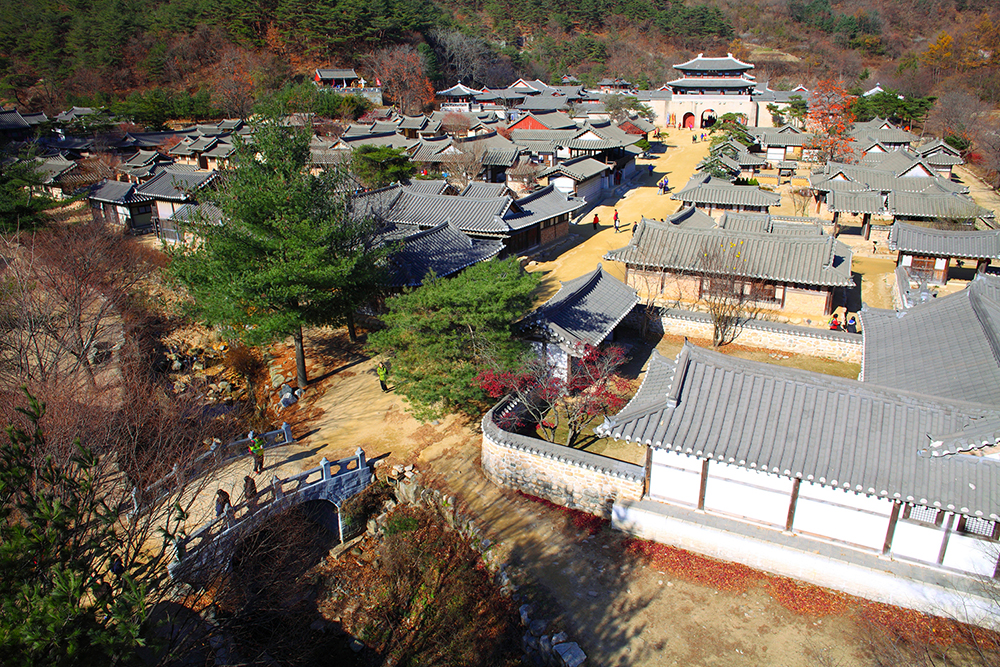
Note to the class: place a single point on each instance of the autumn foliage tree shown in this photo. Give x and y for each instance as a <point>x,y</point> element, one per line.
<point>593,389</point>
<point>401,71</point>
<point>830,117</point>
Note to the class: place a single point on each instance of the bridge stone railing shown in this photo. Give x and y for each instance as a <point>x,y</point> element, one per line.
<point>200,553</point>
<point>216,455</point>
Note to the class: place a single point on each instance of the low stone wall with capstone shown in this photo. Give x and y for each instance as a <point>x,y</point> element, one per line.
<point>565,476</point>
<point>836,345</point>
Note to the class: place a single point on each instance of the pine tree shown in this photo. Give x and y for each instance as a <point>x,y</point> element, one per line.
<point>290,251</point>
<point>441,334</point>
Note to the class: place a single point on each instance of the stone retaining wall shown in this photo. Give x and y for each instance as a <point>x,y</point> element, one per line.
<point>562,475</point>
<point>836,345</point>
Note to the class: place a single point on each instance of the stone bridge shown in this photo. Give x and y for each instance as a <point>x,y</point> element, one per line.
<point>198,556</point>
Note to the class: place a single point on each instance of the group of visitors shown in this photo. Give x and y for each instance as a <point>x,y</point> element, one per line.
<point>850,323</point>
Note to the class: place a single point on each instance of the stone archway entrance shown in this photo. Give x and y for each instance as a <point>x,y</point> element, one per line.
<point>689,120</point>
<point>708,118</point>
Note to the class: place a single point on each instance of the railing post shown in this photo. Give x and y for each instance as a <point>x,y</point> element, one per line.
<point>325,465</point>
<point>178,478</point>
<point>361,458</point>
<point>135,499</point>
<point>286,431</point>
<point>340,525</point>
<point>276,486</point>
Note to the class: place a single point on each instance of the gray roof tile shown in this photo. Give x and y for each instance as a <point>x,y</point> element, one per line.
<point>705,189</point>
<point>443,249</point>
<point>947,347</point>
<point>819,428</point>
<point>791,258</point>
<point>584,310</point>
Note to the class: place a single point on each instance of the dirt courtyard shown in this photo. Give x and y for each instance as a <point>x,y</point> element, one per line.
<point>620,608</point>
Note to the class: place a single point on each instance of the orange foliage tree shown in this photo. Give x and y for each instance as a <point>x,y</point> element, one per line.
<point>401,71</point>
<point>830,117</point>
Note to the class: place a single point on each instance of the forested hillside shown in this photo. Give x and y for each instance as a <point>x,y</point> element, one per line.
<point>55,53</point>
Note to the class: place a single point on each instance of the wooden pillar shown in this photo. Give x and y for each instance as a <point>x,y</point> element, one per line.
<point>791,505</point>
<point>866,225</point>
<point>836,218</point>
<point>649,469</point>
<point>891,530</point>
<point>704,484</point>
<point>982,265</point>
<point>949,518</point>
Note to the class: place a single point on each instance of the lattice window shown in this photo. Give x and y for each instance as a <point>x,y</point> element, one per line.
<point>923,514</point>
<point>972,525</point>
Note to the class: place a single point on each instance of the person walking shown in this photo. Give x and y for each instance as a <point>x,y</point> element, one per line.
<point>250,493</point>
<point>597,221</point>
<point>616,221</point>
<point>852,325</point>
<point>835,323</point>
<point>666,184</point>
<point>383,375</point>
<point>221,502</point>
<point>257,451</point>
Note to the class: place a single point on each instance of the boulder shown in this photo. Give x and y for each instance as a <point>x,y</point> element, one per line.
<point>570,654</point>
<point>538,627</point>
<point>526,610</point>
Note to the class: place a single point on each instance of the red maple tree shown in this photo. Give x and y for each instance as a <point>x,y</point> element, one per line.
<point>400,69</point>
<point>830,117</point>
<point>594,389</point>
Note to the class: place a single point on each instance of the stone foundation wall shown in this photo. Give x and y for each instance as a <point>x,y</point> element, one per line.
<point>562,475</point>
<point>836,345</point>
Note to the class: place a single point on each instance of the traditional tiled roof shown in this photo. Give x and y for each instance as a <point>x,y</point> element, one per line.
<point>818,428</point>
<point>458,90</point>
<point>947,347</point>
<point>579,169</point>
<point>916,240</point>
<point>117,192</point>
<point>770,224</point>
<point>703,64</point>
<point>203,212</point>
<point>35,118</point>
<point>176,184</point>
<point>639,123</point>
<point>777,257</point>
<point>584,310</point>
<point>781,136</point>
<point>539,103</point>
<point>832,176</point>
<point>327,74</point>
<point>543,204</point>
<point>443,249</point>
<point>54,167</point>
<point>705,189</point>
<point>11,120</point>
<point>480,189</point>
<point>882,131</point>
<point>927,205</point>
<point>936,205</point>
<point>470,214</point>
<point>689,218</point>
<point>706,82</point>
<point>429,186</point>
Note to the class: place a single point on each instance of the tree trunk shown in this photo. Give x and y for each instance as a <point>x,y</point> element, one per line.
<point>300,359</point>
<point>350,327</point>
